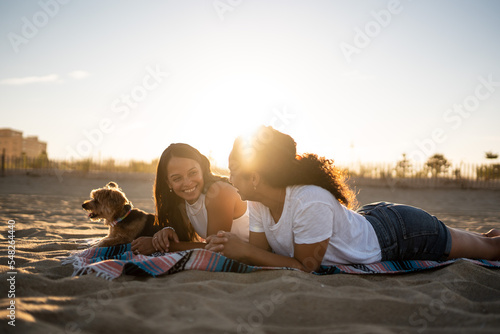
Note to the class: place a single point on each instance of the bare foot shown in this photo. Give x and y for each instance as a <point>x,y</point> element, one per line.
<point>492,233</point>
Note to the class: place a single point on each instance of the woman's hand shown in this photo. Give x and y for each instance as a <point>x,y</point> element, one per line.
<point>161,239</point>
<point>143,245</point>
<point>228,244</point>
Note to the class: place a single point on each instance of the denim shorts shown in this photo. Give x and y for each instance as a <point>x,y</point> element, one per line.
<point>407,233</point>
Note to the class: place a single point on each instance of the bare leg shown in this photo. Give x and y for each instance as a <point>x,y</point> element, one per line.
<point>474,246</point>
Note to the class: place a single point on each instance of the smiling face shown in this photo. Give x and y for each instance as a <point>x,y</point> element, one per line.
<point>185,178</point>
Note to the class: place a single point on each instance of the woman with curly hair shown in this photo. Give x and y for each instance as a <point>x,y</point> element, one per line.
<point>301,215</point>
<point>191,203</point>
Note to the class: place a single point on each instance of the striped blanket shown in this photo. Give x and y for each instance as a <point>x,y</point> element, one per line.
<point>112,262</point>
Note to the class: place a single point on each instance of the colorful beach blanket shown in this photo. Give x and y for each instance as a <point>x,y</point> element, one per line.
<point>112,262</point>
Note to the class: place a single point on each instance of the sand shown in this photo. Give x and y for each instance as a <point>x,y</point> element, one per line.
<point>49,223</point>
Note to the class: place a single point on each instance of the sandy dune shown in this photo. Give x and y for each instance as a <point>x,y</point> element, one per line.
<point>49,223</point>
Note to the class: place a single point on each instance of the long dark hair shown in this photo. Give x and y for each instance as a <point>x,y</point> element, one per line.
<point>274,155</point>
<point>168,204</point>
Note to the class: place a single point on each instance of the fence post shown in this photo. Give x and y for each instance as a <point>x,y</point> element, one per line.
<point>3,163</point>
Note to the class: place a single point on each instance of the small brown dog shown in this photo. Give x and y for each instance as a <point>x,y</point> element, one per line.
<point>125,223</point>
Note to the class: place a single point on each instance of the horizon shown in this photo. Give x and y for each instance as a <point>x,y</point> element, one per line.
<point>363,81</point>
<point>489,157</point>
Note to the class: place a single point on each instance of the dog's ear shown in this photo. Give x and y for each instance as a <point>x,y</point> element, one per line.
<point>112,185</point>
<point>116,199</point>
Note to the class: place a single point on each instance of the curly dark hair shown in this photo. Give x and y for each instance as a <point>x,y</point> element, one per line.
<point>169,206</point>
<point>274,155</point>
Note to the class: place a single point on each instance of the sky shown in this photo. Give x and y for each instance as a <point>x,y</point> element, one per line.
<point>350,80</point>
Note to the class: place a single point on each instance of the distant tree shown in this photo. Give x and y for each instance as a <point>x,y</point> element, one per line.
<point>437,164</point>
<point>489,171</point>
<point>491,155</point>
<point>403,167</point>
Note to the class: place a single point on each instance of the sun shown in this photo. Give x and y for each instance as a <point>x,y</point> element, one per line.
<point>228,107</point>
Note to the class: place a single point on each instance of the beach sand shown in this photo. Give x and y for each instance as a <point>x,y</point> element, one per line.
<point>49,223</point>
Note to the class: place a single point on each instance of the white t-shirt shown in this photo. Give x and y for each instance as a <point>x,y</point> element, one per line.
<point>197,214</point>
<point>312,214</point>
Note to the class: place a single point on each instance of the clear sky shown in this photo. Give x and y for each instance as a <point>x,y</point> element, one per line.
<point>350,80</point>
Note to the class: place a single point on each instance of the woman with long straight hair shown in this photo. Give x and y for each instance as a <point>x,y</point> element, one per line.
<point>302,215</point>
<point>191,203</point>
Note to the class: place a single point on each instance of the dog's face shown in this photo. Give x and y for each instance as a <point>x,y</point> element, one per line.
<point>106,203</point>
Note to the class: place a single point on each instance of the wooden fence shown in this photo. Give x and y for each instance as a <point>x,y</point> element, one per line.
<point>467,176</point>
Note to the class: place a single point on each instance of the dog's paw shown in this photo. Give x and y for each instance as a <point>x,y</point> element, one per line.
<point>105,243</point>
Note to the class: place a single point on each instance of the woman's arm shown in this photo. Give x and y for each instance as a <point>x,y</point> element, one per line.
<point>185,245</point>
<point>145,246</point>
<point>259,239</point>
<point>307,257</point>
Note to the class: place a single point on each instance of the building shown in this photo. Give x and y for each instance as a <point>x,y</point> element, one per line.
<point>33,147</point>
<point>15,145</point>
